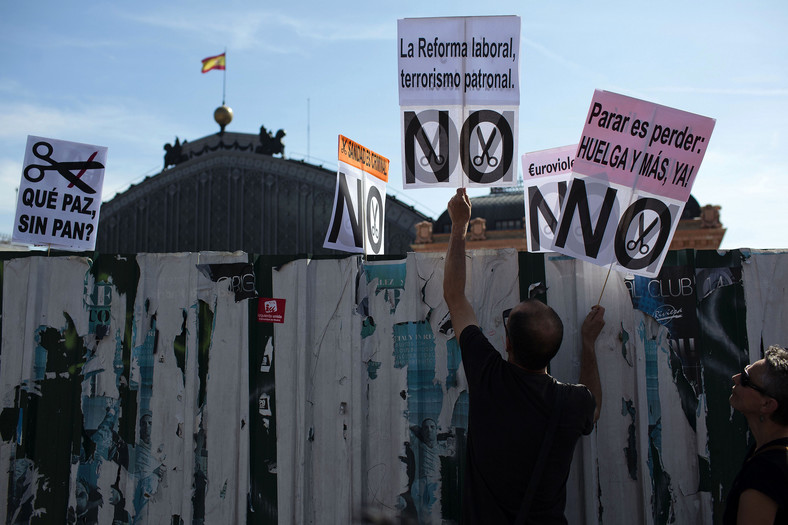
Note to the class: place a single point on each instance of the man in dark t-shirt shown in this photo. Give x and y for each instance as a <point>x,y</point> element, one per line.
<point>511,401</point>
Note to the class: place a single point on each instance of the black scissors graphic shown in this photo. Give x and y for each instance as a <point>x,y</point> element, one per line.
<point>431,155</point>
<point>64,168</point>
<point>478,159</point>
<point>643,248</point>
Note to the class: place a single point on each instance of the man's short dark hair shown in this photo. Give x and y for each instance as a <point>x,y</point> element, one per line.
<point>775,381</point>
<point>535,332</point>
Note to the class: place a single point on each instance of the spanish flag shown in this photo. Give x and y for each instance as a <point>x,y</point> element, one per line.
<point>210,63</point>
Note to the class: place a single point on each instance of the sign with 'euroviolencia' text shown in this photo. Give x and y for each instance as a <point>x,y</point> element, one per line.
<point>546,175</point>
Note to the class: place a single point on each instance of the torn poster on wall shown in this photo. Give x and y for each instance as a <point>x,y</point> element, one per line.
<point>670,299</point>
<point>238,276</point>
<point>110,395</point>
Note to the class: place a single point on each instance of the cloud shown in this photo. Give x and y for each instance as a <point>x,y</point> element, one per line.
<point>565,63</point>
<point>10,173</point>
<point>265,30</point>
<point>133,134</point>
<point>82,121</point>
<point>747,92</point>
<point>10,86</point>
<point>749,187</point>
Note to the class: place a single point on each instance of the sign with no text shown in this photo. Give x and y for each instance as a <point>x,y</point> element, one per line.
<point>270,310</point>
<point>60,194</point>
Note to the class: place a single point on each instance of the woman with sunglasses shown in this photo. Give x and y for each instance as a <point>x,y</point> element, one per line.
<point>759,494</point>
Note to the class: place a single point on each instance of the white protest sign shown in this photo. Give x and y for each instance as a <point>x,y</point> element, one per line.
<point>546,176</point>
<point>633,173</point>
<point>459,96</point>
<point>359,201</point>
<point>60,194</point>
<point>459,61</point>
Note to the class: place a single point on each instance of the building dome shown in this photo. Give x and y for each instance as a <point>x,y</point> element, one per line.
<point>228,192</point>
<point>502,208</point>
<point>691,209</point>
<point>497,221</point>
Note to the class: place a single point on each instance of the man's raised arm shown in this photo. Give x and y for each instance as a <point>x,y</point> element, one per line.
<point>462,314</point>
<point>589,372</point>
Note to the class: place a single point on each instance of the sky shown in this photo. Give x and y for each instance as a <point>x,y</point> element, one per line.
<point>127,76</point>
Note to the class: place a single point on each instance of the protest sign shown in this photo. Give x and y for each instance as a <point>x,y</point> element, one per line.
<point>459,95</point>
<point>60,194</point>
<point>359,201</point>
<point>546,175</point>
<point>633,173</point>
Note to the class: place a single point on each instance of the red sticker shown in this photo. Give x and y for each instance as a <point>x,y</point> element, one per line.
<point>270,310</point>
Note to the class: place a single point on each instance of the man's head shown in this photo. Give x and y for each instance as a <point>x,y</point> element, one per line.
<point>533,334</point>
<point>145,427</point>
<point>429,432</point>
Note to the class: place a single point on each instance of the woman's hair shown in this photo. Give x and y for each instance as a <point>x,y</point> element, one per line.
<point>775,381</point>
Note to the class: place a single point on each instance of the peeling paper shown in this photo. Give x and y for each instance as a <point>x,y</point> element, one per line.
<point>127,441</point>
<point>711,279</point>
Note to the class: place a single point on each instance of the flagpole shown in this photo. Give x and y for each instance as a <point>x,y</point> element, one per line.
<point>224,76</point>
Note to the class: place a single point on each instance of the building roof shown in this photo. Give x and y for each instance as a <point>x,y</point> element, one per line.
<point>226,192</point>
<point>504,209</point>
<point>501,207</point>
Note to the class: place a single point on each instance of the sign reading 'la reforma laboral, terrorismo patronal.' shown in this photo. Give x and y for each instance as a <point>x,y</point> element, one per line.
<point>459,94</point>
<point>60,194</point>
<point>359,211</point>
<point>633,171</point>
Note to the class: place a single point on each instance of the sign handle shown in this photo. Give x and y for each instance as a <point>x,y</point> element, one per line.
<point>609,268</point>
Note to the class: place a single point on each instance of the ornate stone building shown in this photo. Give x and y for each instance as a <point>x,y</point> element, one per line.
<point>497,221</point>
<point>228,192</point>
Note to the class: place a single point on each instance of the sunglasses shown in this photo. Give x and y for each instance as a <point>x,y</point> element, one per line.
<point>747,382</point>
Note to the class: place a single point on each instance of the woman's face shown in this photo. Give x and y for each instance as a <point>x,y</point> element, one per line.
<point>748,399</point>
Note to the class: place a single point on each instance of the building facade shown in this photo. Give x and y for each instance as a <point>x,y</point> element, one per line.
<point>227,192</point>
<point>498,221</point>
